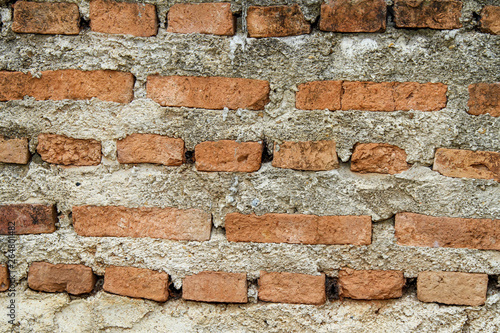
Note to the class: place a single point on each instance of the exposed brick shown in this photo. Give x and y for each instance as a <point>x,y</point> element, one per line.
<point>208,92</point>
<point>298,229</point>
<point>292,288</point>
<point>74,279</point>
<point>14,150</point>
<point>421,230</point>
<point>379,158</point>
<point>218,287</point>
<point>136,282</point>
<point>203,18</point>
<point>117,221</point>
<point>452,288</point>
<point>137,19</point>
<point>306,155</point>
<point>228,156</point>
<point>105,85</point>
<point>490,20</point>
<point>21,219</point>
<point>4,278</point>
<point>370,284</point>
<point>59,149</point>
<point>46,18</point>
<point>419,96</point>
<point>319,95</point>
<point>467,163</point>
<point>150,148</point>
<point>353,16</point>
<point>433,14</point>
<point>484,98</point>
<point>276,21</point>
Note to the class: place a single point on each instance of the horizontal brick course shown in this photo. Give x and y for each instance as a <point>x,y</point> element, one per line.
<point>4,278</point>
<point>319,95</point>
<point>484,98</point>
<point>59,149</point>
<point>490,20</point>
<point>228,156</point>
<point>433,14</point>
<point>276,21</point>
<point>306,155</point>
<point>378,158</point>
<point>14,151</point>
<point>203,18</point>
<point>217,287</point>
<point>467,163</point>
<point>353,16</point>
<point>20,219</point>
<point>74,279</point>
<point>370,284</point>
<point>150,148</point>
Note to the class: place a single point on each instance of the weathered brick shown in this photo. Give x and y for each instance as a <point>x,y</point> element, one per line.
<point>421,230</point>
<point>306,155</point>
<point>298,229</point>
<point>292,288</point>
<point>59,149</point>
<point>4,278</point>
<point>419,96</point>
<point>62,84</point>
<point>218,287</point>
<point>14,150</point>
<point>484,98</point>
<point>319,95</point>
<point>74,279</point>
<point>136,282</point>
<point>21,219</point>
<point>276,21</point>
<point>353,16</point>
<point>208,92</point>
<point>490,20</point>
<point>433,14</point>
<point>46,18</point>
<point>467,164</point>
<point>150,148</point>
<point>370,284</point>
<point>228,156</point>
<point>203,18</point>
<point>117,221</point>
<point>452,288</point>
<point>379,158</point>
<point>111,17</point>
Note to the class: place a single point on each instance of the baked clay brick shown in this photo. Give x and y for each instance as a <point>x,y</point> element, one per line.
<point>379,158</point>
<point>150,148</point>
<point>276,21</point>
<point>452,288</point>
<point>14,150</point>
<point>370,284</point>
<point>468,164</point>
<point>59,149</point>
<point>421,230</point>
<point>217,287</point>
<point>46,18</point>
<point>21,219</point>
<point>299,229</point>
<point>306,155</point>
<point>353,16</point>
<point>419,96</point>
<point>62,84</point>
<point>292,288</point>
<point>202,18</point>
<point>208,92</point>
<point>484,98</point>
<point>74,279</point>
<point>4,278</point>
<point>433,14</point>
<point>154,222</point>
<point>228,156</point>
<point>137,282</point>
<point>319,95</point>
<point>490,20</point>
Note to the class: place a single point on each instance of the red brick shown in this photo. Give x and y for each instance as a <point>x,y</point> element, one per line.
<point>228,156</point>
<point>319,95</point>
<point>292,288</point>
<point>490,20</point>
<point>111,17</point>
<point>419,96</point>
<point>217,287</point>
<point>203,18</point>
<point>68,84</point>
<point>208,92</point>
<point>484,98</point>
<point>306,155</point>
<point>433,14</point>
<point>59,149</point>
<point>429,231</point>
<point>467,164</point>
<point>21,219</point>
<point>150,148</point>
<point>353,16</point>
<point>4,278</point>
<point>452,288</point>
<point>276,21</point>
<point>74,279</point>
<point>46,18</point>
<point>299,229</point>
<point>167,223</point>
<point>14,150</point>
<point>379,158</point>
<point>137,282</point>
<point>370,284</point>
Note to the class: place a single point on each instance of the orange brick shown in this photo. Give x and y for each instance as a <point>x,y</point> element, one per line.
<point>217,287</point>
<point>298,229</point>
<point>276,21</point>
<point>419,96</point>
<point>379,158</point>
<point>306,155</point>
<point>228,156</point>
<point>203,18</point>
<point>490,20</point>
<point>484,98</point>
<point>319,95</point>
<point>467,164</point>
<point>74,279</point>
<point>21,219</point>
<point>370,284</point>
<point>429,231</point>
<point>433,14</point>
<point>59,149</point>
<point>353,16</point>
<point>14,150</point>
<point>4,278</point>
<point>150,148</point>
<point>208,92</point>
